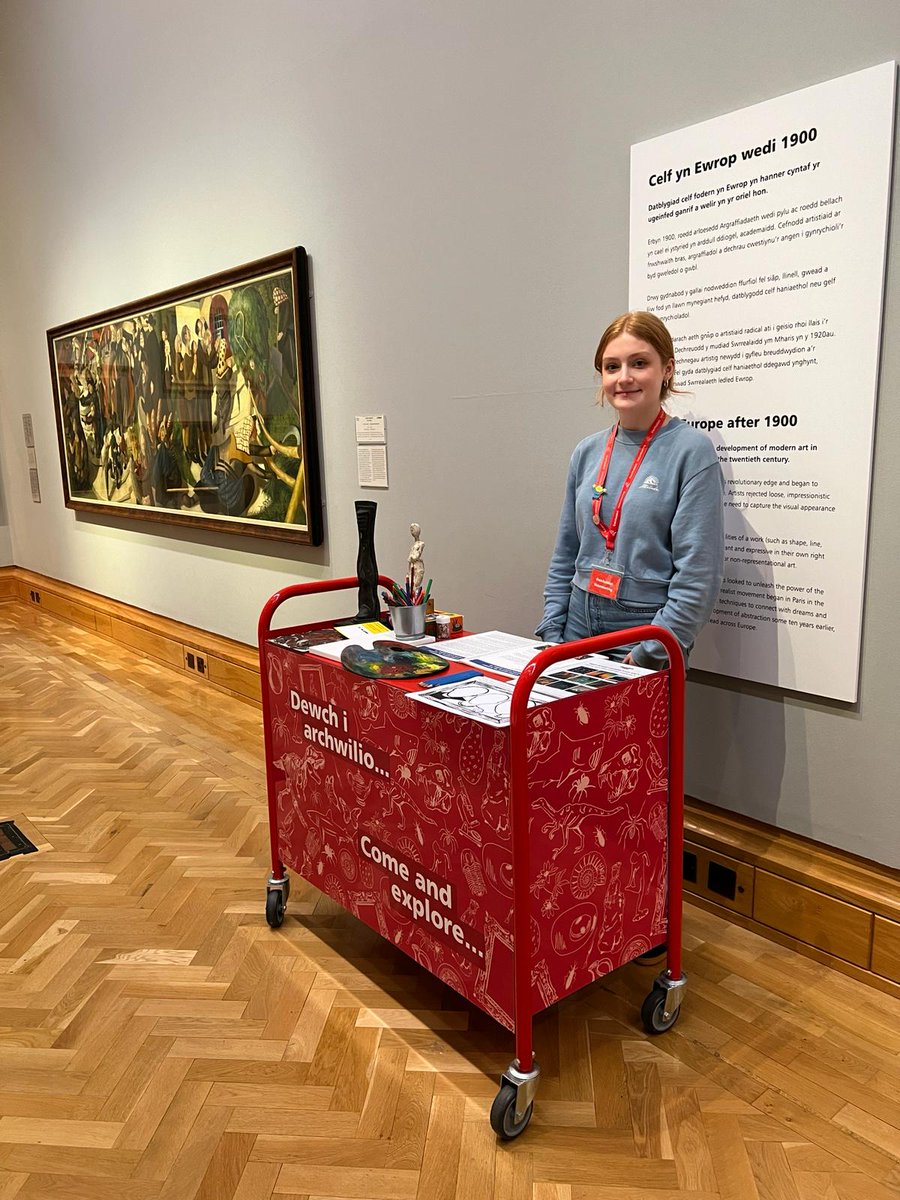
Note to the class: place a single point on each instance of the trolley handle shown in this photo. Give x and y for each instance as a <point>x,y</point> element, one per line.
<point>275,601</point>
<point>595,645</point>
<point>518,794</point>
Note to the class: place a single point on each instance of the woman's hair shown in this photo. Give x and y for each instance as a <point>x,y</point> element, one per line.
<point>649,329</point>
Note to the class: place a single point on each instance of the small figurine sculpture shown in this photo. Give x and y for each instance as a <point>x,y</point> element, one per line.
<point>416,566</point>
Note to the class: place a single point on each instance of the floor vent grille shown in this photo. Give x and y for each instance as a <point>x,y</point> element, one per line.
<point>13,841</point>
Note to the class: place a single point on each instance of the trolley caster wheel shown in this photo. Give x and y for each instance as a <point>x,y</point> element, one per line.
<point>275,908</point>
<point>653,1012</point>
<point>503,1114</point>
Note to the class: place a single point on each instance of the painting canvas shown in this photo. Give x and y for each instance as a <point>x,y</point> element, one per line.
<point>196,406</point>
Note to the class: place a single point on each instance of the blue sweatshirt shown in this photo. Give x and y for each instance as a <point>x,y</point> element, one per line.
<point>670,547</point>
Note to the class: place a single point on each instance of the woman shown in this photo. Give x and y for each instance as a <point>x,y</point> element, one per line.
<point>641,536</point>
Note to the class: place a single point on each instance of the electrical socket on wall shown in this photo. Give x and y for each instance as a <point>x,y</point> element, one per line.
<point>718,878</point>
<point>195,660</point>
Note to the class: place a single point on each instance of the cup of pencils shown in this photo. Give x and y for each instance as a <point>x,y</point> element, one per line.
<point>406,608</point>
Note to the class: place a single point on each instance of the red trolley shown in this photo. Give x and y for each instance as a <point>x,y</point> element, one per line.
<point>516,864</point>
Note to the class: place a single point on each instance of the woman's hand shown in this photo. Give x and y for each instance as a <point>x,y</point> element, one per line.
<point>628,659</point>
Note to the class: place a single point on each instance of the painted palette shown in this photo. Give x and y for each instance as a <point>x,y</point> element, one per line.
<point>392,660</point>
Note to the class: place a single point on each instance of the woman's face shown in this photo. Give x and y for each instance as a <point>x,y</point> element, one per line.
<point>632,377</point>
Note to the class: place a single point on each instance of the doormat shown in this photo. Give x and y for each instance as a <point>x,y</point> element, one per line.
<point>13,841</point>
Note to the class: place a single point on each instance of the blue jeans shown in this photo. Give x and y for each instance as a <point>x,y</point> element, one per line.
<point>589,615</point>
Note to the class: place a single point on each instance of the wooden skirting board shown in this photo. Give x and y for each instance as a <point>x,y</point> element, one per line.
<point>829,905</point>
<point>211,660</point>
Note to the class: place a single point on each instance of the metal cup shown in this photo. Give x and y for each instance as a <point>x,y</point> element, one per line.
<point>409,620</point>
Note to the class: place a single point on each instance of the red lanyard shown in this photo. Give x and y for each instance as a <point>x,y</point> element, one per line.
<point>609,532</point>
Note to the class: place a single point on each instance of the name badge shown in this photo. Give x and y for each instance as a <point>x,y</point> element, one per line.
<point>605,582</point>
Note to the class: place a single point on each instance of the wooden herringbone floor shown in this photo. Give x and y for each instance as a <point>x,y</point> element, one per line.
<point>157,1039</point>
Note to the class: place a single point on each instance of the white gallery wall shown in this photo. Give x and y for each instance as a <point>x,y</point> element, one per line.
<point>458,173</point>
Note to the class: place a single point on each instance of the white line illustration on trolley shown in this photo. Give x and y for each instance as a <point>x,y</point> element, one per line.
<point>622,770</point>
<point>617,724</point>
<point>471,756</point>
<point>337,799</point>
<point>572,928</point>
<point>300,768</point>
<point>408,814</point>
<point>638,882</point>
<point>370,713</point>
<point>433,739</point>
<point>568,819</point>
<point>275,674</point>
<point>549,879</point>
<point>657,776</point>
<point>611,935</point>
<point>588,876</point>
<point>436,783</point>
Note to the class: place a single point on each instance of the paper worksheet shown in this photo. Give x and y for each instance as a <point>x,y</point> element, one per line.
<point>587,673</point>
<point>509,654</point>
<point>485,700</point>
<point>505,653</point>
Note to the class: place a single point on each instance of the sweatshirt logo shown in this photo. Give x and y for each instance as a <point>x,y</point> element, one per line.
<point>651,483</point>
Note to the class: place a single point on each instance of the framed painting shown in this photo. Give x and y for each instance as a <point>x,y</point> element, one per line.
<point>196,406</point>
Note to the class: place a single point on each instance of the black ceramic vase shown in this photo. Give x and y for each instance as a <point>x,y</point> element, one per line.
<point>366,566</point>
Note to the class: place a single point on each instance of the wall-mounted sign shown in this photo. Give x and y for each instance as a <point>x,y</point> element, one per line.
<point>759,238</point>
